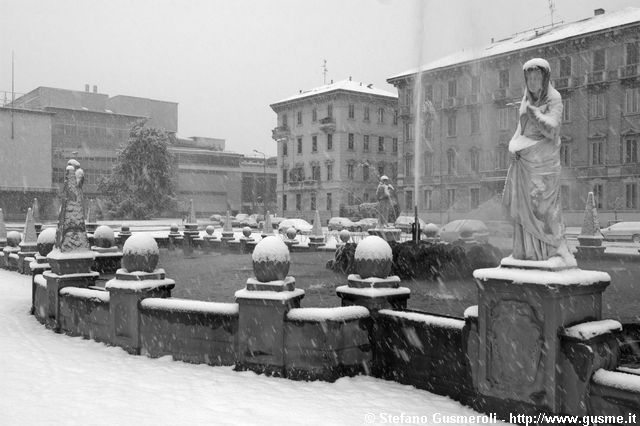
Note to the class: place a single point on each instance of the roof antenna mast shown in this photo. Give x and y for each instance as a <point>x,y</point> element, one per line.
<point>552,8</point>
<point>324,72</point>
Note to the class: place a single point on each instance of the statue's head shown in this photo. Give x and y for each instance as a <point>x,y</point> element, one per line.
<point>536,76</point>
<point>384,179</point>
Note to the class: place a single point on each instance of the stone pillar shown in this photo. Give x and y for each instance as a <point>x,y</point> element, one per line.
<point>521,307</point>
<point>175,238</point>
<point>124,234</point>
<point>190,233</point>
<point>10,251</point>
<point>373,287</point>
<point>136,280</point>
<point>207,240</point>
<point>263,306</point>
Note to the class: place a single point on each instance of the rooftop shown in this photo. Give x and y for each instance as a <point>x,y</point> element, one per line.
<point>532,38</point>
<point>346,85</point>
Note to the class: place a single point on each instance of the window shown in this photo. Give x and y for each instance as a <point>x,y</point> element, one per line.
<point>381,170</point>
<point>299,118</point>
<point>350,142</point>
<point>451,124</point>
<point>565,196</point>
<point>314,115</point>
<point>314,143</point>
<point>475,84</point>
<point>598,195</point>
<point>632,100</point>
<point>474,159</point>
<point>365,143</point>
<point>365,172</point>
<point>395,145</point>
<point>395,117</point>
<point>428,129</point>
<point>451,161</point>
<point>427,164</point>
<point>452,88</point>
<point>408,197</point>
<point>630,150</point>
<point>315,173</point>
<point>365,197</point>
<point>597,105</point>
<point>285,174</point>
<point>451,198</point>
<point>566,110</point>
<point>350,171</point>
<point>474,121</point>
<point>565,66</point>
<point>380,144</point>
<point>329,203</point>
<point>408,132</point>
<point>474,198</point>
<point>427,203</point>
<point>284,120</point>
<point>394,172</point>
<point>502,157</point>
<point>352,111</point>
<point>366,113</point>
<point>632,53</point>
<point>313,201</point>
<point>299,145</point>
<point>380,115</point>
<point>631,192</point>
<point>408,97</point>
<point>408,165</point>
<point>350,199</point>
<point>565,154</point>
<point>428,92</point>
<point>330,110</point>
<point>503,118</point>
<point>329,171</point>
<point>329,141</point>
<point>596,153</point>
<point>284,201</point>
<point>598,60</point>
<point>284,149</point>
<point>503,79</point>
<point>298,202</point>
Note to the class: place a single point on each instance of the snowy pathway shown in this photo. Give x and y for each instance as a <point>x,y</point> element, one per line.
<point>48,378</point>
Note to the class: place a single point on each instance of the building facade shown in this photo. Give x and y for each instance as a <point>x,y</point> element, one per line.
<point>334,142</point>
<point>459,113</point>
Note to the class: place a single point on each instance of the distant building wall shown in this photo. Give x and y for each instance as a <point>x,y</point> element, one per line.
<point>161,114</point>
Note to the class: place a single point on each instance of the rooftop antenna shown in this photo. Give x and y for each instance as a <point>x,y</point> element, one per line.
<point>324,72</point>
<point>552,8</point>
<point>13,92</point>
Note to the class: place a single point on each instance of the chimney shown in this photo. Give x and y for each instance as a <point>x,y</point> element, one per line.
<point>86,87</point>
<point>95,89</point>
<point>598,12</point>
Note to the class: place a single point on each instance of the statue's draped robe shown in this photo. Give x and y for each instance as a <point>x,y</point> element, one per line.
<point>531,195</point>
<point>71,235</point>
<point>383,194</point>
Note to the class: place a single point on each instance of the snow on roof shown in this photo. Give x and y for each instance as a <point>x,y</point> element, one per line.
<point>348,85</point>
<point>532,38</point>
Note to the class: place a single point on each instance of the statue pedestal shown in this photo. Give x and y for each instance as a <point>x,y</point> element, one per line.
<point>315,242</point>
<point>263,309</point>
<point>387,234</point>
<point>515,351</point>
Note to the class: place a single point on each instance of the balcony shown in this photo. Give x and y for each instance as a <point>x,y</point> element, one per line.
<point>500,95</point>
<point>310,184</point>
<point>280,133</point>
<point>328,124</point>
<point>629,71</point>
<point>473,99</point>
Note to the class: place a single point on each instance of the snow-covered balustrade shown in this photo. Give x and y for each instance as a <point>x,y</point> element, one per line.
<point>85,312</point>
<point>189,330</point>
<point>424,350</point>
<point>327,343</point>
<point>615,393</point>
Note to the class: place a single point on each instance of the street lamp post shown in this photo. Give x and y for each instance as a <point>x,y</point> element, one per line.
<point>264,180</point>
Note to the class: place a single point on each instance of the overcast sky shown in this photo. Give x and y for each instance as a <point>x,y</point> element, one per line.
<point>224,62</point>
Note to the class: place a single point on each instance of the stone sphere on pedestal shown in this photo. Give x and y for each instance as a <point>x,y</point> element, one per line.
<point>345,236</point>
<point>140,253</point>
<point>270,259</point>
<point>291,233</point>
<point>431,230</point>
<point>13,238</point>
<point>373,257</point>
<point>209,229</point>
<point>246,231</point>
<point>174,228</point>
<point>104,237</point>
<point>46,241</point>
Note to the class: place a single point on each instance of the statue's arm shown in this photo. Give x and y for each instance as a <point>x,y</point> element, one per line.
<point>548,122</point>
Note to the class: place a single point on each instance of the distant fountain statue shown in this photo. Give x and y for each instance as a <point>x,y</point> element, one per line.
<point>384,194</point>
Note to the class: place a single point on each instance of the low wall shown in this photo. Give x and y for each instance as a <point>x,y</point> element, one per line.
<point>189,330</point>
<point>85,312</point>
<point>423,350</point>
<point>39,298</point>
<point>615,393</point>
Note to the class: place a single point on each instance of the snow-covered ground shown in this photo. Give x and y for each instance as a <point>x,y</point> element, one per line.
<point>48,378</point>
